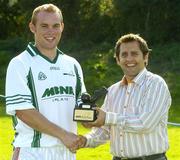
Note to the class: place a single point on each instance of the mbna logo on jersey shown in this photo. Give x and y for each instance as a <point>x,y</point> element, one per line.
<point>41,76</point>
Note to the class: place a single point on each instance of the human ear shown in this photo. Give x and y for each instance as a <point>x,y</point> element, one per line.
<point>32,27</point>
<point>62,27</point>
<point>117,60</point>
<point>146,57</point>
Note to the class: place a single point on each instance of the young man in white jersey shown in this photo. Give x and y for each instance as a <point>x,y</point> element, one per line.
<point>43,86</point>
<point>135,111</point>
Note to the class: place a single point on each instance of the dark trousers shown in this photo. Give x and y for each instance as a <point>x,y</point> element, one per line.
<point>160,156</point>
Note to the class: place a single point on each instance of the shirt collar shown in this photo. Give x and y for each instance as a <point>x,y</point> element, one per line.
<point>33,51</point>
<point>137,80</point>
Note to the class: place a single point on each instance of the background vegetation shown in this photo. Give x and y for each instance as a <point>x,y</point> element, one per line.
<point>91,29</point>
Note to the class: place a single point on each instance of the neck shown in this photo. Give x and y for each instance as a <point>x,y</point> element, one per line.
<point>49,53</point>
<point>129,79</point>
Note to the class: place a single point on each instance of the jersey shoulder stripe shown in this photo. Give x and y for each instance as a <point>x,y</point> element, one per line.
<point>37,135</point>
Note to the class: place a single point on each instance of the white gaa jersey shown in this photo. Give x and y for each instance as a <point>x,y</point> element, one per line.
<point>51,87</point>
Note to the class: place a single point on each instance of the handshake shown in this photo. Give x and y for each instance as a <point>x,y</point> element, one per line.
<point>74,142</point>
<point>89,115</point>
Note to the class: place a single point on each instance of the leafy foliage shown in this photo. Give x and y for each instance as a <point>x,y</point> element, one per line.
<point>99,20</point>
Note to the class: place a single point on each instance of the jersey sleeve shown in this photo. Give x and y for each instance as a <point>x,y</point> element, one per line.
<point>18,95</point>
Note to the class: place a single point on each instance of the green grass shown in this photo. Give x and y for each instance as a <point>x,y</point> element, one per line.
<point>6,137</point>
<point>100,153</point>
<point>174,139</point>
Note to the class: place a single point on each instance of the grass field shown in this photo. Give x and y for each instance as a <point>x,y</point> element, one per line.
<point>99,153</point>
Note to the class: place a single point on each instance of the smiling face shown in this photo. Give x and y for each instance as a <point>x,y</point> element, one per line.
<point>131,59</point>
<point>47,30</point>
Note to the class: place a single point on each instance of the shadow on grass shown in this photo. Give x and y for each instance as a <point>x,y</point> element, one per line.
<point>174,113</point>
<point>2,109</point>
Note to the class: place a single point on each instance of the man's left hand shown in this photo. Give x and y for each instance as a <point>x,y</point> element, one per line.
<point>100,121</point>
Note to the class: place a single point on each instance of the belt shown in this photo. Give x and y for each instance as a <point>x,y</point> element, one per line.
<point>150,157</point>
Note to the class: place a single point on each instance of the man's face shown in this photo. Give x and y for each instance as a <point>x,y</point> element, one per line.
<point>47,30</point>
<point>131,59</point>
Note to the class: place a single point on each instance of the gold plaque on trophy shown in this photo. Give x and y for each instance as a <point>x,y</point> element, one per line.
<point>85,111</point>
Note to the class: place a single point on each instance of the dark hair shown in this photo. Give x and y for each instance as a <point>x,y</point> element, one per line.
<point>130,38</point>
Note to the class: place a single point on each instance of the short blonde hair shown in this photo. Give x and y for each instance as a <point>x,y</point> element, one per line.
<point>47,8</point>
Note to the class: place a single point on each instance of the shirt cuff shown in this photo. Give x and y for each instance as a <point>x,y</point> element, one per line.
<point>88,142</point>
<point>111,118</point>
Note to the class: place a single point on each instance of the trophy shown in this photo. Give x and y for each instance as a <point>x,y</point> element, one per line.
<point>85,112</point>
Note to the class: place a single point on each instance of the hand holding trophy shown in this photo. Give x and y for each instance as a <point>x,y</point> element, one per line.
<point>85,112</point>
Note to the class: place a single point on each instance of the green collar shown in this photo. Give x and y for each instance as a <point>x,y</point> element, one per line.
<point>33,51</point>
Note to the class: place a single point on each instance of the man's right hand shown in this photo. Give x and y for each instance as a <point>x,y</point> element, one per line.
<point>73,142</point>
<point>70,140</point>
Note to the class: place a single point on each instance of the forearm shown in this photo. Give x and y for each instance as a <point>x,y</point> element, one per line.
<point>128,123</point>
<point>37,121</point>
<point>97,136</point>
<point>144,122</point>
<point>152,110</point>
